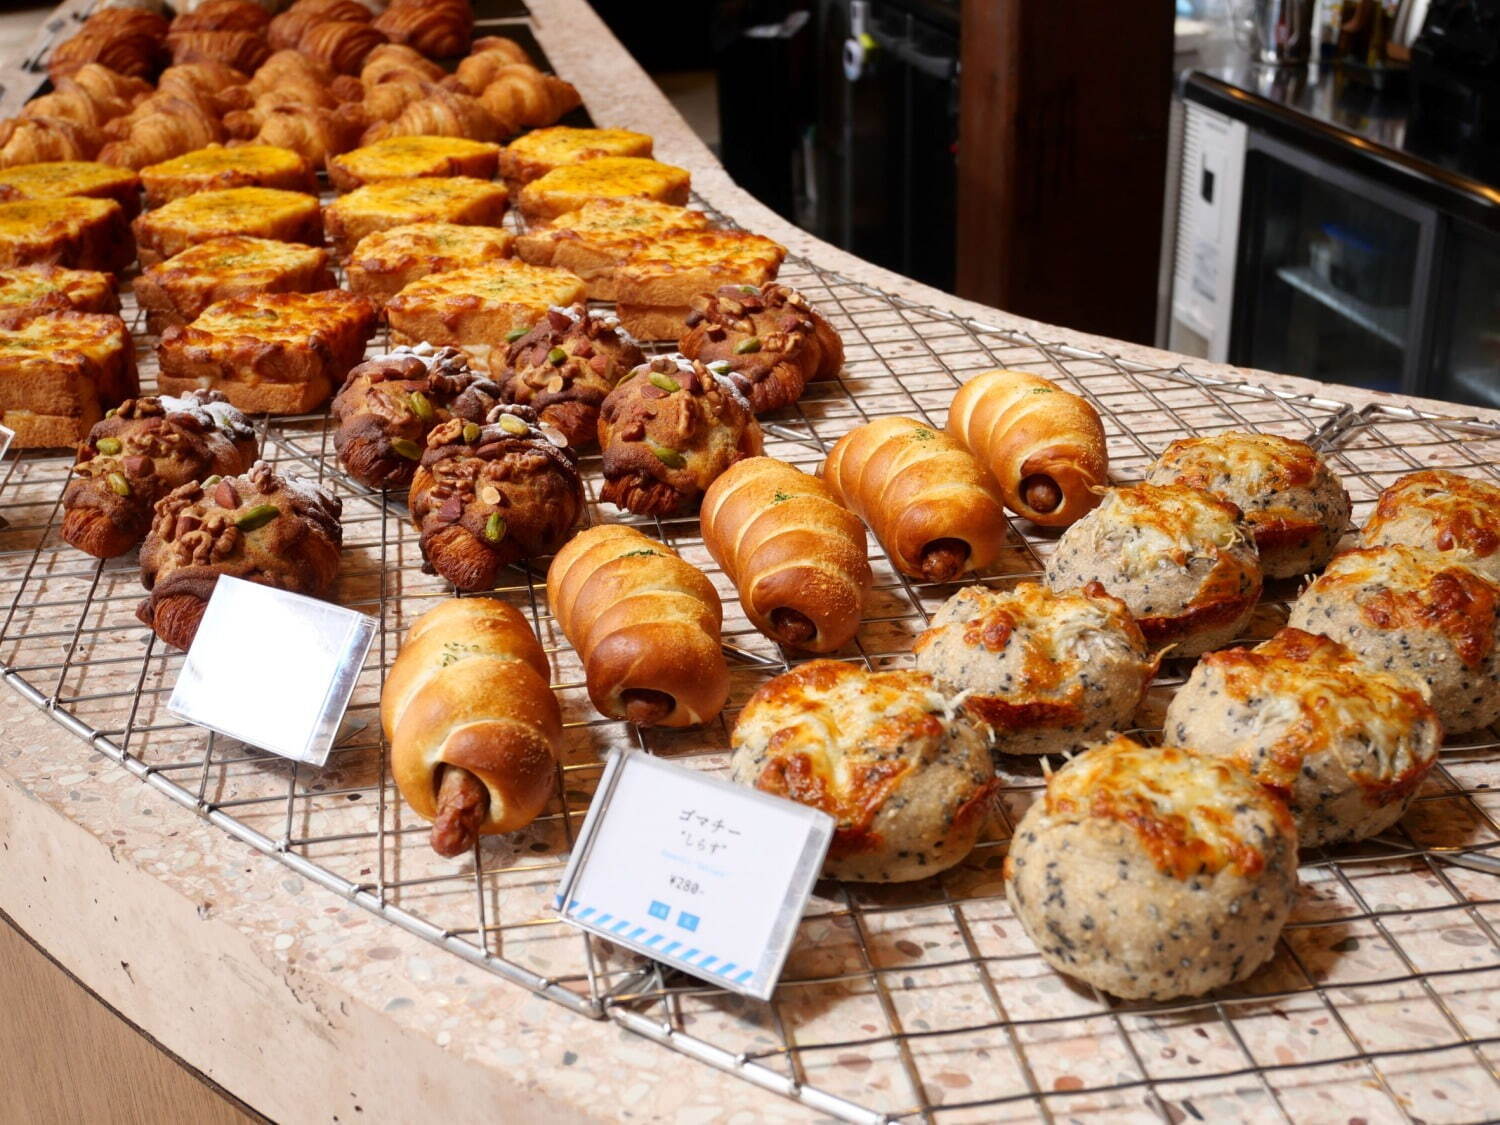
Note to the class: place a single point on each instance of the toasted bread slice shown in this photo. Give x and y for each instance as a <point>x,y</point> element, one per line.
<point>536,153</point>
<point>657,283</point>
<point>386,262</point>
<point>59,372</point>
<point>216,168</point>
<point>287,216</point>
<point>598,238</point>
<point>281,353</point>
<point>81,178</point>
<point>569,186</point>
<point>406,158</point>
<point>79,233</point>
<point>475,308</point>
<point>54,289</point>
<point>395,203</point>
<point>178,290</point>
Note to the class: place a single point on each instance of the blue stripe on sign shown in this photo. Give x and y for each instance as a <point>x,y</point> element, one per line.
<point>620,925</point>
<point>746,975</point>
<point>585,912</point>
<point>572,904</point>
<point>636,933</point>
<point>725,970</point>
<point>653,939</point>
<point>708,961</point>
<point>668,950</point>
<point>603,919</point>
<point>690,954</point>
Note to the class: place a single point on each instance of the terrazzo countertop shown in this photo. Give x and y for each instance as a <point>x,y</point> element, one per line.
<point>310,1008</point>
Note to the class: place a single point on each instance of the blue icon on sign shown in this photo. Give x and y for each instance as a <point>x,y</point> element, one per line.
<point>687,921</point>
<point>658,909</point>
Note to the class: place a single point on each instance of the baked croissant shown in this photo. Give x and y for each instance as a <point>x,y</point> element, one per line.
<point>37,140</point>
<point>128,41</point>
<point>387,101</point>
<point>91,96</point>
<point>522,97</point>
<point>486,58</point>
<point>440,113</point>
<point>242,50</point>
<point>645,624</point>
<point>161,127</point>
<point>473,727</point>
<point>286,30</point>
<point>341,44</point>
<point>292,70</point>
<point>313,131</point>
<point>667,430</point>
<point>264,527</point>
<point>141,451</point>
<point>211,83</point>
<point>223,15</point>
<point>396,62</point>
<point>799,561</point>
<point>1044,447</point>
<point>440,29</point>
<point>485,496</point>
<point>924,496</point>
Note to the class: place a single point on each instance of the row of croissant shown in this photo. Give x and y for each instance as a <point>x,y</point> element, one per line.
<point>321,78</point>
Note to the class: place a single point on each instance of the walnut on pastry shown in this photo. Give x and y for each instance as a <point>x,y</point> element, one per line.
<point>768,339</point>
<point>487,495</point>
<point>668,430</point>
<point>565,366</point>
<point>141,451</point>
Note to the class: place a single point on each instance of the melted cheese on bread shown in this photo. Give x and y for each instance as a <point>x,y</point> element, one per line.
<point>569,186</point>
<point>401,158</point>
<point>64,178</point>
<point>1256,462</point>
<point>55,287</point>
<point>1464,511</point>
<point>1168,523</point>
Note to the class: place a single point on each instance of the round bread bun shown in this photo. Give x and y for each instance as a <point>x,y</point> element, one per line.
<point>1346,745</point>
<point>1045,671</point>
<point>1153,873</point>
<point>908,779</point>
<point>1416,613</point>
<point>1295,506</point>
<point>1441,511</point>
<point>1181,559</point>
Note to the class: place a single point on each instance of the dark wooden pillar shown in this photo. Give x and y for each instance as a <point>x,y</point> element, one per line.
<point>1062,159</point>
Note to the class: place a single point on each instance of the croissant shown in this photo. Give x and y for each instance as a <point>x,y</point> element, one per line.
<point>128,41</point>
<point>184,98</point>
<point>645,624</point>
<point>144,449</point>
<point>314,132</point>
<point>395,61</point>
<point>88,98</point>
<point>388,101</point>
<point>286,30</point>
<point>485,60</point>
<point>927,500</point>
<point>342,44</point>
<point>799,561</point>
<point>223,15</point>
<point>174,125</point>
<point>1044,447</point>
<point>36,140</point>
<point>473,727</point>
<point>289,68</point>
<point>211,83</point>
<point>439,29</point>
<point>242,50</point>
<point>442,113</point>
<point>522,97</point>
<point>105,85</point>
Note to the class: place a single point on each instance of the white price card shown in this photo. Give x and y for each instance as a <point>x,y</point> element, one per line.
<point>694,871</point>
<point>272,669</point>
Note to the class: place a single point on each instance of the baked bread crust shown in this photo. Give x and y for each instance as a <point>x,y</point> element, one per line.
<point>42,288</point>
<point>386,262</point>
<point>1441,511</point>
<point>285,216</point>
<point>656,285</point>
<point>82,178</point>
<point>59,372</point>
<point>404,158</point>
<point>178,290</point>
<point>569,186</point>
<point>85,234</point>
<point>598,238</point>
<point>475,308</point>
<point>536,153</point>
<point>216,168</point>
<point>279,353</point>
<point>393,203</point>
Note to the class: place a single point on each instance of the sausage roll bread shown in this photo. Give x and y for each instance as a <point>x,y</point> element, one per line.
<point>1442,511</point>
<point>645,624</point>
<point>1044,447</point>
<point>1046,671</point>
<point>473,727</point>
<point>262,526</point>
<point>926,499</point>
<point>1345,745</point>
<point>667,430</point>
<point>390,403</point>
<point>799,560</point>
<point>565,365</point>
<point>487,495</point>
<point>1417,613</point>
<point>768,339</point>
<point>1153,872</point>
<point>1181,559</point>
<point>141,451</point>
<point>908,780</point>
<point>1294,505</point>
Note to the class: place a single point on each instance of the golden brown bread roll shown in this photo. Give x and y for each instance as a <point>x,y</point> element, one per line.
<point>1044,447</point>
<point>924,496</point>
<point>472,724</point>
<point>645,624</point>
<point>798,559</point>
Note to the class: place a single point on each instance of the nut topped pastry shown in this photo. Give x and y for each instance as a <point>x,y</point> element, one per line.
<point>1293,503</point>
<point>179,289</point>
<point>216,168</point>
<point>1346,745</point>
<point>536,153</point>
<point>406,158</point>
<point>263,526</point>
<point>656,285</point>
<point>1442,511</point>
<point>83,178</point>
<point>907,778</point>
<point>390,403</point>
<point>1045,671</point>
<point>569,186</point>
<point>394,203</point>
<point>1180,558</point>
<point>59,372</point>
<point>287,216</point>
<point>40,288</point>
<point>386,262</point>
<point>139,452</point>
<point>767,338</point>
<point>667,430</point>
<point>566,365</point>
<point>598,238</point>
<point>82,234</point>
<point>487,495</point>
